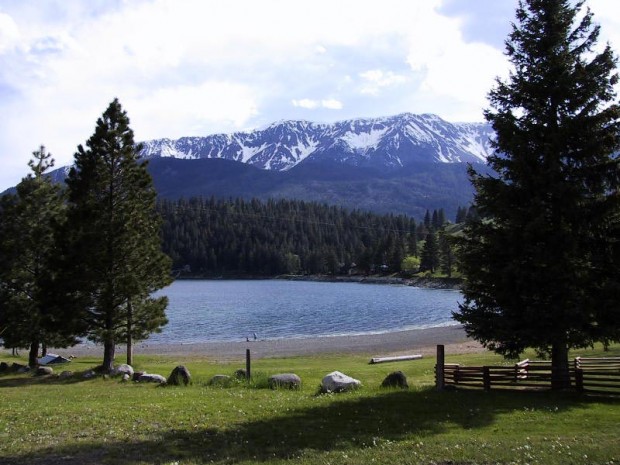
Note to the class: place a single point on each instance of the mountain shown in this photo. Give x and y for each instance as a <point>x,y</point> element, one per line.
<point>385,144</point>
<point>400,164</point>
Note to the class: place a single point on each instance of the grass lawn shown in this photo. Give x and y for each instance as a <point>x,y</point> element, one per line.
<point>78,421</point>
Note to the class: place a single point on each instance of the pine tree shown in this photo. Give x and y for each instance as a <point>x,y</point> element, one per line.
<point>542,263</point>
<point>429,258</point>
<point>27,245</point>
<point>446,253</point>
<point>112,249</point>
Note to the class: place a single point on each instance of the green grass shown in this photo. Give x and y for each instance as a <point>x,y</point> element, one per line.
<point>105,421</point>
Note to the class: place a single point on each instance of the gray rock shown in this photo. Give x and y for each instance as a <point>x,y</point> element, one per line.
<point>66,375</point>
<point>19,368</point>
<point>396,379</point>
<point>136,375</point>
<point>339,382</point>
<point>241,374</point>
<point>151,378</point>
<point>180,375</point>
<point>44,371</point>
<point>89,374</point>
<point>219,380</point>
<point>284,380</point>
<point>125,377</point>
<point>122,370</point>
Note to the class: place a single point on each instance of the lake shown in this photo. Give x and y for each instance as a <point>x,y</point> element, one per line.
<point>222,310</point>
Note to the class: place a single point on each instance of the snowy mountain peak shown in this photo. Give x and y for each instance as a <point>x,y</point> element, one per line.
<point>386,143</point>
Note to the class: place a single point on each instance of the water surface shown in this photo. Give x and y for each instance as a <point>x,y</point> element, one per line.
<point>212,311</point>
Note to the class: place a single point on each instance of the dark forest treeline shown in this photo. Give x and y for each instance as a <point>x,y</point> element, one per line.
<point>211,237</point>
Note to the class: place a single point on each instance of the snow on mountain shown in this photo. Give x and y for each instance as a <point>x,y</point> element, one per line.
<point>386,143</point>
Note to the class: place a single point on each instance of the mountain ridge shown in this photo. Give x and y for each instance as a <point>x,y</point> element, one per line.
<point>386,143</point>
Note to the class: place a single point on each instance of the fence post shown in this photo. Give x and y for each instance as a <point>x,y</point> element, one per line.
<point>440,381</point>
<point>486,378</point>
<point>579,379</point>
<point>248,364</point>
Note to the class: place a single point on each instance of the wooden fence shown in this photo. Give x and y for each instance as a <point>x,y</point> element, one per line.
<point>595,375</point>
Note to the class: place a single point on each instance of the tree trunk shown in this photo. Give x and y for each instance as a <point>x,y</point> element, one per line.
<point>33,354</point>
<point>43,349</point>
<point>108,357</point>
<point>129,330</point>
<point>560,376</point>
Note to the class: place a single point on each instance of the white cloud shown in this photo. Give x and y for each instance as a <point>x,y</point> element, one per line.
<point>376,79</point>
<point>306,103</point>
<point>309,104</point>
<point>332,104</point>
<point>9,33</point>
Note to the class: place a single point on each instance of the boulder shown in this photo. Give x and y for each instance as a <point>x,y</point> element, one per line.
<point>219,380</point>
<point>396,379</point>
<point>241,374</point>
<point>89,374</point>
<point>44,371</point>
<point>123,370</point>
<point>180,375</point>
<point>151,378</point>
<point>19,368</point>
<point>339,382</point>
<point>284,380</point>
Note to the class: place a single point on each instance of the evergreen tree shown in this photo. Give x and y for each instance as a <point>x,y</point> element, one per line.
<point>427,220</point>
<point>112,249</point>
<point>429,259</point>
<point>28,222</point>
<point>446,253</point>
<point>461,215</point>
<point>542,263</point>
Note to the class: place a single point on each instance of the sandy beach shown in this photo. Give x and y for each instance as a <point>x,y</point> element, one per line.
<point>414,341</point>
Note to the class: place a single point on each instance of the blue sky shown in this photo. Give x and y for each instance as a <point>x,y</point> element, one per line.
<point>197,67</point>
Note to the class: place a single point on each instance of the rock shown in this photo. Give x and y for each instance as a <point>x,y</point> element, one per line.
<point>122,370</point>
<point>66,375</point>
<point>179,375</point>
<point>339,382</point>
<point>19,368</point>
<point>4,367</point>
<point>396,379</point>
<point>284,380</point>
<point>125,377</point>
<point>241,374</point>
<point>136,375</point>
<point>219,380</point>
<point>44,371</point>
<point>89,374</point>
<point>151,378</point>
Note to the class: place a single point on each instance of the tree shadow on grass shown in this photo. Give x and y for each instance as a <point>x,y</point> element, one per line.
<point>347,422</point>
<point>11,380</point>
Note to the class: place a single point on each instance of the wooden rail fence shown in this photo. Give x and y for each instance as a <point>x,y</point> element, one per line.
<point>588,374</point>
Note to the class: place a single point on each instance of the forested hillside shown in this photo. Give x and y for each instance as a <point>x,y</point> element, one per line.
<point>253,238</point>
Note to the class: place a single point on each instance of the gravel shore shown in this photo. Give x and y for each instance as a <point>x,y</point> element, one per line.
<point>414,341</point>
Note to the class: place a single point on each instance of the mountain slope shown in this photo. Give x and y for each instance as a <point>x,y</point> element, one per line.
<point>381,143</point>
<point>411,190</point>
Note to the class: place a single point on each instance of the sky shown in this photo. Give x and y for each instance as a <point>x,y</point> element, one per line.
<point>199,67</point>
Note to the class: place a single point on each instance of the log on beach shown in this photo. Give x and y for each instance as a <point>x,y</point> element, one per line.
<point>398,358</point>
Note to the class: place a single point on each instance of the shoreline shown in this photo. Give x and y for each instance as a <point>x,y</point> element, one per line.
<point>405,342</point>
<point>427,282</point>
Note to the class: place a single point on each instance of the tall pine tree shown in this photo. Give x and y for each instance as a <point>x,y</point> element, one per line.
<point>112,249</point>
<point>542,263</point>
<point>29,219</point>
